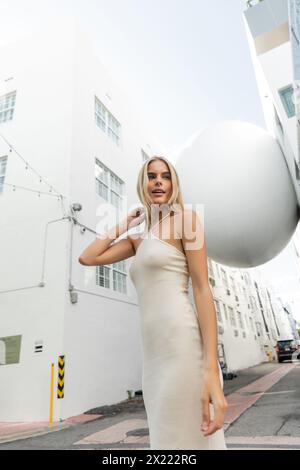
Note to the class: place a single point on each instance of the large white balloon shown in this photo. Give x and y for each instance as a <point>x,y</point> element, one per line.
<point>239,173</point>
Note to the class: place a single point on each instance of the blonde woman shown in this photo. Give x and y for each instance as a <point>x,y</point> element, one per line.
<point>182,381</point>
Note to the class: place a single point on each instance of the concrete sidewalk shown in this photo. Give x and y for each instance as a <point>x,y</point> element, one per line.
<point>13,431</point>
<point>241,392</point>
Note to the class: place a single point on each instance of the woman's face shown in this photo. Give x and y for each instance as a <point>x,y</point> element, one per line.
<point>159,182</point>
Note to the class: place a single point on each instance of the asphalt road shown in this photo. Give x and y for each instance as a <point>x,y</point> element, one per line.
<point>273,421</point>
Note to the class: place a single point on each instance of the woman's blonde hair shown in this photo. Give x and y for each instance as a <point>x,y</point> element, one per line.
<point>175,201</point>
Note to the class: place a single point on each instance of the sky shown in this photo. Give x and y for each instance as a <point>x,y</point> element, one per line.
<point>184,64</point>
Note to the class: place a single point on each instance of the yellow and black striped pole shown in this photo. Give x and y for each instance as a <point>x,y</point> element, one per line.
<point>61,377</point>
<point>51,393</point>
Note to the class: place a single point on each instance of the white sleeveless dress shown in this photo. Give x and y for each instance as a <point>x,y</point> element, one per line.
<point>172,349</point>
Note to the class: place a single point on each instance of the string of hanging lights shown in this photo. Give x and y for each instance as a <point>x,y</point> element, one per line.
<point>51,192</point>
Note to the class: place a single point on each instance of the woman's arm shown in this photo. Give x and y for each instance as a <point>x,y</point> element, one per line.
<point>194,244</point>
<point>195,250</point>
<point>102,251</point>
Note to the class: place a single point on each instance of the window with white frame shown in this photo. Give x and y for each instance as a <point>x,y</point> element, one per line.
<point>108,185</point>
<point>7,106</point>
<point>287,98</point>
<point>3,162</point>
<point>258,328</point>
<point>224,277</point>
<point>210,268</point>
<point>253,303</point>
<point>233,284</point>
<point>232,317</point>
<point>225,311</point>
<point>111,188</point>
<point>240,320</point>
<point>119,277</point>
<point>107,122</point>
<point>112,276</point>
<point>113,128</point>
<point>218,311</point>
<point>103,276</point>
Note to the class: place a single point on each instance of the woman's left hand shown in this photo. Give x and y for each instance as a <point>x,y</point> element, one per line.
<point>212,392</point>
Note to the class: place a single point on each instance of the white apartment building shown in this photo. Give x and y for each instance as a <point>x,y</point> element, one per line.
<point>251,317</point>
<point>273,31</point>
<point>247,314</point>
<point>68,137</point>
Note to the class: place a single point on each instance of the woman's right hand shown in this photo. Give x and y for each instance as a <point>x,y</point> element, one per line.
<point>136,217</point>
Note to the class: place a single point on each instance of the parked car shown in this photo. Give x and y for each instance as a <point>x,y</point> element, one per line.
<point>286,348</point>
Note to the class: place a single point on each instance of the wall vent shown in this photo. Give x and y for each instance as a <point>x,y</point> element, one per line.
<point>38,346</point>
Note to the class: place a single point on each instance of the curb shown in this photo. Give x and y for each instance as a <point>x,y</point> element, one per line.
<point>67,423</point>
<point>33,433</point>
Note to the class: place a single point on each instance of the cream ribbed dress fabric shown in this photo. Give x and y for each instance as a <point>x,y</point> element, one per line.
<point>172,349</point>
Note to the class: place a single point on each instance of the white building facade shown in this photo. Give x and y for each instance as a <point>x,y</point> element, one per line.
<point>251,316</point>
<point>61,112</point>
<point>273,31</point>
<point>248,316</point>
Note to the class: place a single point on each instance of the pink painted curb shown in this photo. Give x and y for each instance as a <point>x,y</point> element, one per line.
<point>22,430</point>
<point>243,398</point>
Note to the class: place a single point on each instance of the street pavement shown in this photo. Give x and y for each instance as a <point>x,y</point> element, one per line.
<point>263,413</point>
